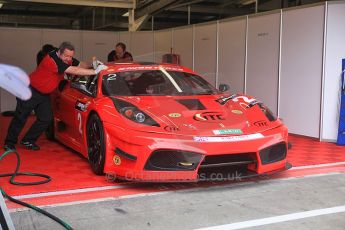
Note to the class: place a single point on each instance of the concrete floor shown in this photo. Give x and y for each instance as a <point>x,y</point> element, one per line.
<point>206,207</point>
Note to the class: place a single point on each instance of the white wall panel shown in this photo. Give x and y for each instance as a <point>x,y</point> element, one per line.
<point>163,44</point>
<point>142,46</point>
<point>301,69</point>
<point>231,51</point>
<point>183,45</point>
<point>18,47</point>
<point>335,52</point>
<point>263,59</point>
<point>205,51</point>
<point>56,37</point>
<point>98,43</point>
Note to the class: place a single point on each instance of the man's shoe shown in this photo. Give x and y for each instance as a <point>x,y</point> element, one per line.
<point>30,145</point>
<point>9,147</point>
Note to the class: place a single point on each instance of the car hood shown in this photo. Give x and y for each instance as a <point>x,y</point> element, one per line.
<point>199,115</point>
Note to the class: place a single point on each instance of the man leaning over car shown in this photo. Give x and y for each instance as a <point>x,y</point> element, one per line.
<point>43,81</point>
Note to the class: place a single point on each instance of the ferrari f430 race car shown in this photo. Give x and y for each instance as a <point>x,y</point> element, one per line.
<point>163,122</point>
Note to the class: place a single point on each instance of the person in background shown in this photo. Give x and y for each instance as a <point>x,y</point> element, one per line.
<point>47,48</point>
<point>43,81</point>
<point>120,54</point>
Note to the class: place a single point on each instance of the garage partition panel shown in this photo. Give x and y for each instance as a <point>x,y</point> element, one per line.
<point>162,44</point>
<point>142,46</point>
<point>231,54</point>
<point>205,51</point>
<point>98,44</point>
<point>183,45</point>
<point>301,69</point>
<point>263,59</point>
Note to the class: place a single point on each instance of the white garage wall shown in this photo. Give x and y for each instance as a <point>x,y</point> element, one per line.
<point>335,52</point>
<point>162,44</point>
<point>17,51</point>
<point>142,46</point>
<point>20,46</point>
<point>183,45</point>
<point>56,37</point>
<point>205,51</point>
<point>232,53</point>
<point>98,44</point>
<point>263,58</point>
<point>301,69</point>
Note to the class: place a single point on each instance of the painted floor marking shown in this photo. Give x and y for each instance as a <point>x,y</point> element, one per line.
<point>170,191</point>
<point>318,165</point>
<point>72,191</point>
<point>277,219</point>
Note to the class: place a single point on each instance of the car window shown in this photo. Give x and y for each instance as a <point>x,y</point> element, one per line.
<point>85,84</point>
<point>155,82</point>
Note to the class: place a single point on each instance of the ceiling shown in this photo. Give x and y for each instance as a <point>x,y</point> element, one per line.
<point>119,15</point>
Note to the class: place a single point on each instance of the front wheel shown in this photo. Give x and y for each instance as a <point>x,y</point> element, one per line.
<point>95,144</point>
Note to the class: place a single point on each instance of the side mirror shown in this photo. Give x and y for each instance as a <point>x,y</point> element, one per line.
<point>223,87</point>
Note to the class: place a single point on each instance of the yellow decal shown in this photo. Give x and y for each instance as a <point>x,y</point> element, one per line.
<point>235,111</point>
<point>117,160</point>
<point>174,115</point>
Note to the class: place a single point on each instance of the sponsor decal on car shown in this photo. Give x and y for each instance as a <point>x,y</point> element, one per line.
<point>174,115</point>
<point>223,100</point>
<point>171,128</point>
<point>209,116</point>
<point>117,160</point>
<point>245,102</point>
<point>228,131</point>
<point>229,139</point>
<point>149,68</point>
<point>81,106</point>
<point>261,123</point>
<point>236,111</point>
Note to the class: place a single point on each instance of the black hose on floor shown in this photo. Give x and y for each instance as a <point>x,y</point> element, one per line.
<point>12,181</point>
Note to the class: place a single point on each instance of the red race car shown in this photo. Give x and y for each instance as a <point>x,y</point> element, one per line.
<point>163,122</point>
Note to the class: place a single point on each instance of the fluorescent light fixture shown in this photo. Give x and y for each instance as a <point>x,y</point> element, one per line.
<point>1,4</point>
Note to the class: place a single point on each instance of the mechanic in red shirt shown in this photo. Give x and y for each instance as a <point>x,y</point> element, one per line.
<point>43,81</point>
<point>120,54</point>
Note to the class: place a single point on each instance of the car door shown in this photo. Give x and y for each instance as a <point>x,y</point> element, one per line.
<point>72,104</point>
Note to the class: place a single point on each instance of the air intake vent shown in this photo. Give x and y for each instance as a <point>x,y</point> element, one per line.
<point>192,104</point>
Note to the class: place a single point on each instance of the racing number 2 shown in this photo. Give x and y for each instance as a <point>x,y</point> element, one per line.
<point>80,123</point>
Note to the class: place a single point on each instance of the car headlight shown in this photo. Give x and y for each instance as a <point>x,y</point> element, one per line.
<point>132,113</point>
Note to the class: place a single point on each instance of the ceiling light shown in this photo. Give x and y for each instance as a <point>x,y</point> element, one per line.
<point>1,4</point>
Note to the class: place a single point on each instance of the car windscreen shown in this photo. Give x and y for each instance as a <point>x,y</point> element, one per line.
<point>155,82</point>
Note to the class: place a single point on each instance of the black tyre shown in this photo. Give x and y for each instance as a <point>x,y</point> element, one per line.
<point>50,132</point>
<point>95,144</point>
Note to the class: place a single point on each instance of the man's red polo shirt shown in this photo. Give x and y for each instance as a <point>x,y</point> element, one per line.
<point>48,74</point>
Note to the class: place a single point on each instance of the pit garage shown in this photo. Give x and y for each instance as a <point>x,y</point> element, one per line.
<point>230,116</point>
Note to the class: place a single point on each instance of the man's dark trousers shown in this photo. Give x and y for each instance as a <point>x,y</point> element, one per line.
<point>41,105</point>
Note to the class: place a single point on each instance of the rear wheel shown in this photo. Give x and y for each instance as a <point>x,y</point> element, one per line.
<point>95,144</point>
